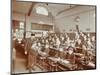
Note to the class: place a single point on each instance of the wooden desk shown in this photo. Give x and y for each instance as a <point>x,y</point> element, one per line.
<point>90,65</point>
<point>60,64</point>
<point>65,66</point>
<point>53,66</point>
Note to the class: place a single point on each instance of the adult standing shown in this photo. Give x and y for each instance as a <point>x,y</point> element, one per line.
<point>29,52</point>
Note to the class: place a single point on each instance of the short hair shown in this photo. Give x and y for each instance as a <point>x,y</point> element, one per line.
<point>32,34</point>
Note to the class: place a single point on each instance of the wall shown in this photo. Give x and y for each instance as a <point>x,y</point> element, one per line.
<point>32,19</point>
<point>87,20</point>
<point>65,21</point>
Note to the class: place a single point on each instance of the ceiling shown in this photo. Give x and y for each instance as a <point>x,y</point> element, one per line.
<point>21,7</point>
<point>28,7</point>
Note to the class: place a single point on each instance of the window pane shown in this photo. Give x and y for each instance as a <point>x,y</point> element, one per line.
<point>41,10</point>
<point>21,25</point>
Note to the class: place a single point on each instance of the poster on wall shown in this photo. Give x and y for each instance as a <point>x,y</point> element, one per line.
<point>64,41</point>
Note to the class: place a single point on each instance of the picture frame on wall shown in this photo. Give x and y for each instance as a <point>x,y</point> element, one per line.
<point>54,37</point>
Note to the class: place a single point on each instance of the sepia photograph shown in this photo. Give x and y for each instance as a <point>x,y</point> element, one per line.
<point>52,37</point>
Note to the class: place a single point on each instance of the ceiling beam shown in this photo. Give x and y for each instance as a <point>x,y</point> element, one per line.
<point>30,9</point>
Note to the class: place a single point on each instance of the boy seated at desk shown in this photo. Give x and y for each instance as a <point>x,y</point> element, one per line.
<point>70,55</point>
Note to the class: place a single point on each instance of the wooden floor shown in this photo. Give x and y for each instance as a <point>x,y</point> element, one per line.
<point>20,64</point>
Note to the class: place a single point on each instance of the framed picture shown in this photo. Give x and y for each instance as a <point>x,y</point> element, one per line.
<point>52,37</point>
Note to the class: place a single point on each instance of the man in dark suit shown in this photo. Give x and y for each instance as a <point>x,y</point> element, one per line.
<point>29,52</point>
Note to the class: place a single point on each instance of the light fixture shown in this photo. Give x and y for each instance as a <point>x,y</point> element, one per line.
<point>16,30</point>
<point>77,19</point>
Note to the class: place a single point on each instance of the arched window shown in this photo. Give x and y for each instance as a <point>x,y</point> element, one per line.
<point>41,10</point>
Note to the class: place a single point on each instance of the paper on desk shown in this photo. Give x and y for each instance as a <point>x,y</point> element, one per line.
<point>54,59</point>
<point>65,61</point>
<point>91,64</point>
<point>42,53</point>
<point>60,49</point>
